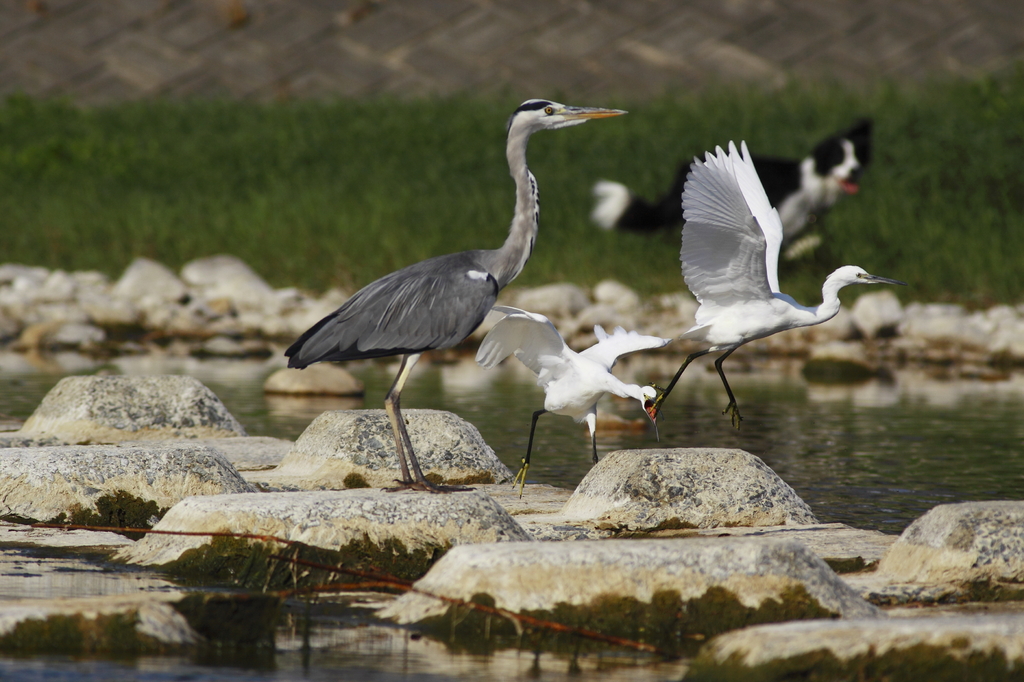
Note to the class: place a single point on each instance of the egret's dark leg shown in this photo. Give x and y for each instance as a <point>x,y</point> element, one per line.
<point>672,384</point>
<point>521,476</point>
<point>731,409</point>
<point>593,445</point>
<point>402,441</point>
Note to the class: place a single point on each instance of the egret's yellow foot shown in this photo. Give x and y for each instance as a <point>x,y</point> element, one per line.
<point>521,478</point>
<point>734,412</point>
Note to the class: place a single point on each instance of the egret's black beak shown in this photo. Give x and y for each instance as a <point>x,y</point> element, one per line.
<point>875,279</point>
<point>652,412</point>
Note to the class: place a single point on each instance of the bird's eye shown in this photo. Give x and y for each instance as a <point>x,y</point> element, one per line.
<point>549,110</point>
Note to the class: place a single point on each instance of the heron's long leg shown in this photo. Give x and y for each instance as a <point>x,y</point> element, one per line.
<point>392,405</point>
<point>521,476</point>
<point>731,409</point>
<point>592,424</point>
<point>672,384</point>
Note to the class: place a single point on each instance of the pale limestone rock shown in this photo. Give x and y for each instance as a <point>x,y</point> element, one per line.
<point>151,615</point>
<point>248,453</point>
<point>106,310</point>
<point>862,641</point>
<point>43,482</point>
<point>960,543</point>
<point>942,323</point>
<point>333,519</point>
<point>318,379</point>
<point>147,279</point>
<point>11,272</point>
<point>686,487</point>
<point>228,277</point>
<point>75,334</point>
<point>19,534</point>
<point>557,301</point>
<point>541,575</point>
<point>876,311</point>
<point>617,295</point>
<point>58,287</point>
<point>110,409</point>
<point>355,448</point>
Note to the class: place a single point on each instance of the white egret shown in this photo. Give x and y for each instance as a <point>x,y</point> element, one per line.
<point>572,382</point>
<point>730,255</point>
<point>438,302</point>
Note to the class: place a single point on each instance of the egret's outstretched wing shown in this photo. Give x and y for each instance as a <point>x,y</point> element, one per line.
<point>723,247</point>
<point>610,347</point>
<point>531,336</point>
<point>767,216</point>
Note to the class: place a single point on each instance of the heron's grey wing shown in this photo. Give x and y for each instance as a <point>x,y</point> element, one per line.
<point>532,338</point>
<point>761,208</point>
<point>610,347</point>
<point>723,248</point>
<point>435,303</point>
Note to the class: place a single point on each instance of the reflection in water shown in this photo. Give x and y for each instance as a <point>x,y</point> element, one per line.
<point>875,454</point>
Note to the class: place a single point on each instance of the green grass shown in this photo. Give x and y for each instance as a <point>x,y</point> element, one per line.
<point>315,194</point>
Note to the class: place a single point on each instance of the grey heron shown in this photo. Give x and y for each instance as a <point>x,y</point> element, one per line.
<point>438,302</point>
<point>730,255</point>
<point>573,382</point>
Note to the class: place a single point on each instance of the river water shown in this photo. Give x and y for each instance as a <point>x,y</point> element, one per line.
<point>875,454</point>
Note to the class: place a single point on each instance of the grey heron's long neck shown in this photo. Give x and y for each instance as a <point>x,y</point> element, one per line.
<point>512,256</point>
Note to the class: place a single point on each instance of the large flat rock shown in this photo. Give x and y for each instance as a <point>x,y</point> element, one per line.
<point>43,483</point>
<point>686,488</point>
<point>332,520</point>
<point>111,409</point>
<point>962,648</point>
<point>356,449</point>
<point>763,579</point>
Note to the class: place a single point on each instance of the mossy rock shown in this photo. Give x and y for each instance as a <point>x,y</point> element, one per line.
<point>75,635</point>
<point>674,626</point>
<point>920,662</point>
<point>248,564</point>
<point>232,620</point>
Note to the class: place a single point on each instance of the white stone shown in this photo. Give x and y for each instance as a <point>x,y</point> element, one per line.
<point>359,443</point>
<point>228,277</point>
<point>332,519</point>
<point>74,334</point>
<point>541,575</point>
<point>876,311</point>
<point>9,272</point>
<point>318,379</point>
<point>41,483</point>
<point>962,543</point>
<point>553,300</point>
<point>618,296</point>
<point>689,487</point>
<point>58,287</point>
<point>151,614</point>
<point>110,409</point>
<point>943,323</point>
<point>773,644</point>
<point>147,278</point>
<point>106,310</point>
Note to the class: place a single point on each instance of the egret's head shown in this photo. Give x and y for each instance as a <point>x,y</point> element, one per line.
<point>541,114</point>
<point>852,274</point>
<point>650,393</point>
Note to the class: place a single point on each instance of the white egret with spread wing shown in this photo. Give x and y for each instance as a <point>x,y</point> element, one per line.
<point>573,382</point>
<point>730,256</point>
<point>438,302</point>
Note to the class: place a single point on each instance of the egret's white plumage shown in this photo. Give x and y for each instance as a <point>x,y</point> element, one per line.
<point>572,382</point>
<point>730,257</point>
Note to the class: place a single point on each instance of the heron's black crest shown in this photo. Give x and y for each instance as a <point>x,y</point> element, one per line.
<point>528,105</point>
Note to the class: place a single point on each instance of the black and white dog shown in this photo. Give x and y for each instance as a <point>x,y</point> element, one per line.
<point>801,190</point>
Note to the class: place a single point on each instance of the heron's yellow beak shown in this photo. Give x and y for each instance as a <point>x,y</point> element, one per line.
<point>578,113</point>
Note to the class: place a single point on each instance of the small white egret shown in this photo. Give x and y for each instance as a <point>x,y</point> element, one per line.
<point>572,382</point>
<point>730,255</point>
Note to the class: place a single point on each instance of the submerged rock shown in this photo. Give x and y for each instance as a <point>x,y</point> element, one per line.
<point>685,488</point>
<point>987,647</point>
<point>670,588</point>
<point>110,409</point>
<point>397,532</point>
<point>356,449</point>
<point>109,484</point>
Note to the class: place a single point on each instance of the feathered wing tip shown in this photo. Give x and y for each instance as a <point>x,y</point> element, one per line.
<point>610,347</point>
<point>529,336</point>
